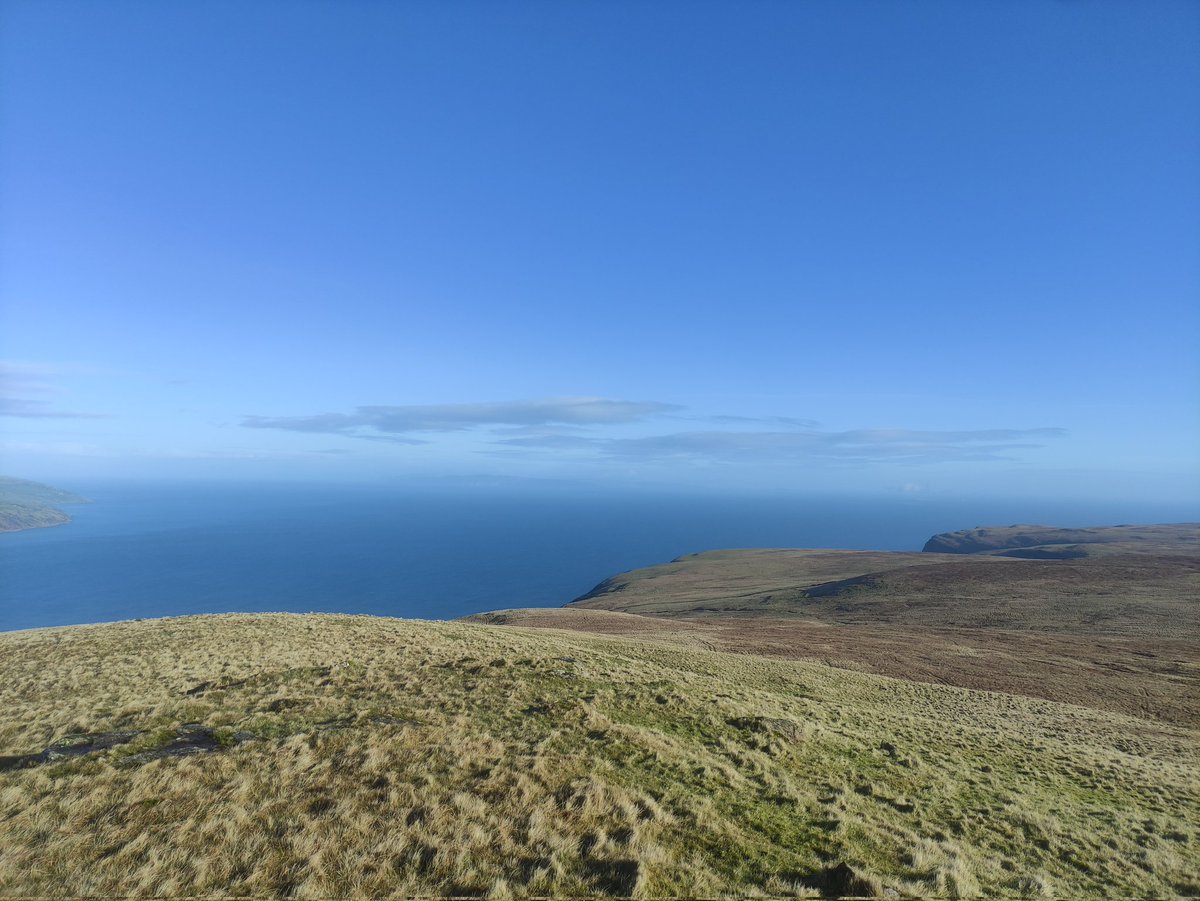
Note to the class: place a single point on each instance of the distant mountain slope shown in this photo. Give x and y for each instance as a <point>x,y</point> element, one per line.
<point>23,491</point>
<point>1048,542</point>
<point>17,517</point>
<point>29,505</point>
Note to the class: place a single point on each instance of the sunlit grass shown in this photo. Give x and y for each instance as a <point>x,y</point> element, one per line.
<point>409,758</point>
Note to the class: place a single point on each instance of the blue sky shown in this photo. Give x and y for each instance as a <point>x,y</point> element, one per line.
<point>943,248</point>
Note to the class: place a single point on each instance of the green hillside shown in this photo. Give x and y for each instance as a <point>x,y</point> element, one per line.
<point>1050,542</point>
<point>328,756</point>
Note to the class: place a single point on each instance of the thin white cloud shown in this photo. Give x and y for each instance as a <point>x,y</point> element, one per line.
<point>577,429</point>
<point>29,391</point>
<point>391,423</point>
<point>785,421</point>
<point>860,445</point>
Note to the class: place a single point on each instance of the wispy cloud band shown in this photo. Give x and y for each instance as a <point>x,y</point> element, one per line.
<point>388,422</point>
<point>859,445</point>
<point>28,391</point>
<point>575,427</point>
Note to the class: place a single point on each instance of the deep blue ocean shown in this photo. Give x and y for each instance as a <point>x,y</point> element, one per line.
<point>149,550</point>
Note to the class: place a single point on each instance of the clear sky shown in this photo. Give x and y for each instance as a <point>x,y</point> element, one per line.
<point>930,247</point>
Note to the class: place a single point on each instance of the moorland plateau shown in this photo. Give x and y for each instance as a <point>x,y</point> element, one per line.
<point>954,722</point>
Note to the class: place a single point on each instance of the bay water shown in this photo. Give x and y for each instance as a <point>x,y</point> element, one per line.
<point>154,549</point>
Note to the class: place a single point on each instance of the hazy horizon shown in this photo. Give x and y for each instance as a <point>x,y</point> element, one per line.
<point>948,250</point>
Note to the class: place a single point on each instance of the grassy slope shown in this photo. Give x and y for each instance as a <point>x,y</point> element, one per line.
<point>1052,541</point>
<point>1118,632</point>
<point>1151,593</point>
<point>626,768</point>
<point>722,581</point>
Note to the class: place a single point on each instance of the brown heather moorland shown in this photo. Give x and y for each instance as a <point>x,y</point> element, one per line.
<point>1117,631</point>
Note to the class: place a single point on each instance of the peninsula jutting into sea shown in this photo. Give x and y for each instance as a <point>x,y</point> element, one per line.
<point>32,505</point>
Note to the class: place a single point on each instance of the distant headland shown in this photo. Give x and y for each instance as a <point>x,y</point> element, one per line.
<point>32,505</point>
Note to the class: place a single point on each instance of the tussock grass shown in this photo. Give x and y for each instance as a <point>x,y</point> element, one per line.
<point>409,758</point>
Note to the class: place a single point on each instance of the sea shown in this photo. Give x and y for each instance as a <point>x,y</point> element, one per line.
<point>153,549</point>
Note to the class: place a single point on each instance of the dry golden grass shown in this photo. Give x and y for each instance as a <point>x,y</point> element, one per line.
<point>408,758</point>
